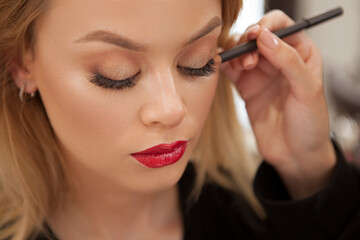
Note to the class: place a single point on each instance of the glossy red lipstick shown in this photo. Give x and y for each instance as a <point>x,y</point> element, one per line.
<point>161,155</point>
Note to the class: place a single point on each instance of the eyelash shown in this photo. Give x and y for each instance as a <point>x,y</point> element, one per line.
<point>205,71</point>
<point>105,82</point>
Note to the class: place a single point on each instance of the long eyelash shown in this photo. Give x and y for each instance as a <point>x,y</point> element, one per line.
<point>105,82</point>
<point>205,71</point>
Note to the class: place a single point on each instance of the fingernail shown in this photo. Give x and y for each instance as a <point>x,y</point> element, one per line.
<point>254,28</point>
<point>253,32</point>
<point>249,62</point>
<point>237,37</point>
<point>268,39</point>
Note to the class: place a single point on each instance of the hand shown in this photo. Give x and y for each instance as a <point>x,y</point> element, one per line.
<point>282,86</point>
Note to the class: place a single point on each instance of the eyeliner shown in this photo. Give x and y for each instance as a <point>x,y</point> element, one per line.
<point>298,26</point>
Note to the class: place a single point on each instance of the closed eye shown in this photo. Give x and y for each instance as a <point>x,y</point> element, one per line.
<point>205,71</point>
<point>130,82</point>
<point>105,82</point>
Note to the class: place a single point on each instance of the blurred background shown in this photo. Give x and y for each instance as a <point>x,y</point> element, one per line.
<point>338,40</point>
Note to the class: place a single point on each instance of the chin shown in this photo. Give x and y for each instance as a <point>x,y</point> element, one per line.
<point>152,180</point>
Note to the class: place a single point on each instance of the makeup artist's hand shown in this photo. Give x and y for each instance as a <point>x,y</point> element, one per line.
<point>282,86</point>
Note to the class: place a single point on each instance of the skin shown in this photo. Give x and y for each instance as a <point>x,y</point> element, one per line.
<point>111,195</point>
<point>282,87</point>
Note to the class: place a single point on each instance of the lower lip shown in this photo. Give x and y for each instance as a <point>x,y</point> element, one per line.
<point>159,160</point>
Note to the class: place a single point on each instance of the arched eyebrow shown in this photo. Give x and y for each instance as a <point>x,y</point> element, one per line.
<point>208,28</point>
<point>112,38</point>
<point>124,42</point>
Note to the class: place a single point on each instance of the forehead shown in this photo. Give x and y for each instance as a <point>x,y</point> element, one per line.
<point>147,20</point>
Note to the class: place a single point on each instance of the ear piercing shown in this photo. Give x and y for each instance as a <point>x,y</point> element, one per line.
<point>22,93</point>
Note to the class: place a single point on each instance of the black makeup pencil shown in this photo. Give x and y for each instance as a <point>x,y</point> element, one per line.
<point>298,26</point>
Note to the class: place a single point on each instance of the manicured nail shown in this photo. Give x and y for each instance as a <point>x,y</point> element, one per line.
<point>253,31</point>
<point>268,39</point>
<point>254,28</point>
<point>249,62</point>
<point>237,37</point>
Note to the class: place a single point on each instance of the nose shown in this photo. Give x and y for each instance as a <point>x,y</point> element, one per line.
<point>164,106</point>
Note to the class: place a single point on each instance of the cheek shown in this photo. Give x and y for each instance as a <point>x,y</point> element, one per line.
<point>98,128</point>
<point>199,101</point>
<point>87,120</point>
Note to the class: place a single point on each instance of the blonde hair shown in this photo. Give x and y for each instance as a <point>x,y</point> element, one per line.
<point>31,171</point>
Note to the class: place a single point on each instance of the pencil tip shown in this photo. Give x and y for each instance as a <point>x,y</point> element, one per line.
<point>216,60</point>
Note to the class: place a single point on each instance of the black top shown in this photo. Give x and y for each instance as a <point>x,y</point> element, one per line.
<point>333,213</point>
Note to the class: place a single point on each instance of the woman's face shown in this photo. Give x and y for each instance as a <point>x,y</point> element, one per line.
<point>153,52</point>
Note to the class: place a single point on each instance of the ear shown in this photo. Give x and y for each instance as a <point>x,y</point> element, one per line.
<point>22,72</point>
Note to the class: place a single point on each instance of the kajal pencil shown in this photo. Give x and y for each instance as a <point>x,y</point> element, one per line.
<point>298,26</point>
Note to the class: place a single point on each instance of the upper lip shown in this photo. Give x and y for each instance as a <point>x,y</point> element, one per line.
<point>162,148</point>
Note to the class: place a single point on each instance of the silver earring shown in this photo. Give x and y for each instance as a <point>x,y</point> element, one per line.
<point>22,93</point>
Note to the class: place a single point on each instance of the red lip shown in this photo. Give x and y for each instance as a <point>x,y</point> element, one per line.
<point>161,155</point>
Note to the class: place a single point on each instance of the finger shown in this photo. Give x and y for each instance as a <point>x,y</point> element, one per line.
<point>258,105</point>
<point>230,72</point>
<point>289,62</point>
<point>276,20</point>
<point>267,68</point>
<point>232,41</point>
<point>249,60</point>
<point>234,63</point>
<point>252,32</point>
<point>252,84</point>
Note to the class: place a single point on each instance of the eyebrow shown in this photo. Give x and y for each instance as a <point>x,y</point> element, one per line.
<point>209,27</point>
<point>124,42</point>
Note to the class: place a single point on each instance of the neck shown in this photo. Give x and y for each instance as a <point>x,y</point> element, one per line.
<point>99,212</point>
